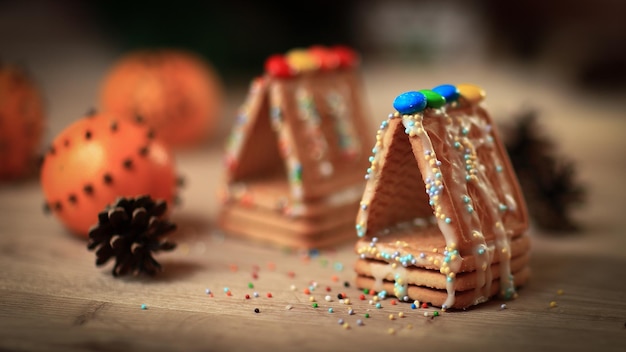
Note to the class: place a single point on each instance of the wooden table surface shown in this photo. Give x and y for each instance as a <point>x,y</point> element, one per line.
<point>52,297</point>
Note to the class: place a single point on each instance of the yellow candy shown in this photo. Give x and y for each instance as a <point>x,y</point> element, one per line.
<point>301,61</point>
<point>472,93</point>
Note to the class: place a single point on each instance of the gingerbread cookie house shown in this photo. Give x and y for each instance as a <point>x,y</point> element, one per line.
<point>295,157</point>
<point>442,218</point>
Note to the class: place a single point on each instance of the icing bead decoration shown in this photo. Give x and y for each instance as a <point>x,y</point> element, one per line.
<point>301,61</point>
<point>410,102</point>
<point>448,91</point>
<point>433,99</point>
<point>347,57</point>
<point>277,66</point>
<point>472,93</point>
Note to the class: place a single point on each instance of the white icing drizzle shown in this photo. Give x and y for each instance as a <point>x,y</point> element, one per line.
<point>340,111</point>
<point>287,150</point>
<point>345,196</point>
<point>235,140</point>
<point>318,145</point>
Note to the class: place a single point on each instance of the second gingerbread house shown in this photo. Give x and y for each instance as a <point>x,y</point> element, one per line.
<point>295,157</point>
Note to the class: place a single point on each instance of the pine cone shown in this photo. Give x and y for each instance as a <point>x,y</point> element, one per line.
<point>130,230</point>
<point>547,179</point>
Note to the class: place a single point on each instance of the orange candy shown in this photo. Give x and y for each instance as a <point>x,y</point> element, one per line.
<point>21,122</point>
<point>99,158</point>
<point>177,93</point>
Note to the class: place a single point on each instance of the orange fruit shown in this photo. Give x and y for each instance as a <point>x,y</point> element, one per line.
<point>21,122</point>
<point>177,92</point>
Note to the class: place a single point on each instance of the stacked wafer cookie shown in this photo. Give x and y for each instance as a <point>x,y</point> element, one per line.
<point>442,218</point>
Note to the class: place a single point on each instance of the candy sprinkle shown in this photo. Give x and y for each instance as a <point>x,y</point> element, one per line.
<point>257,310</point>
<point>144,307</point>
<point>314,305</point>
<point>331,310</point>
<point>553,304</point>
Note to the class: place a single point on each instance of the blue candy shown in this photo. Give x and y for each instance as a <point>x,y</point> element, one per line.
<point>450,92</point>
<point>410,102</point>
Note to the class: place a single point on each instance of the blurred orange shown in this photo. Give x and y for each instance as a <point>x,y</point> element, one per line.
<point>176,92</point>
<point>22,121</point>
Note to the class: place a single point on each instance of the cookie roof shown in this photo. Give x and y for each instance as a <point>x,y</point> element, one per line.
<point>439,157</point>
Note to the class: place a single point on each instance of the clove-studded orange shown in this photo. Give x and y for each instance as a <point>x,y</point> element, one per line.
<point>99,158</point>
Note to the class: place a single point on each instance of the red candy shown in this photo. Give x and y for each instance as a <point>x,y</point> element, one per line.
<point>326,58</point>
<point>277,66</point>
<point>347,56</point>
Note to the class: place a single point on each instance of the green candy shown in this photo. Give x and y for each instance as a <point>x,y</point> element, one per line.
<point>433,99</point>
